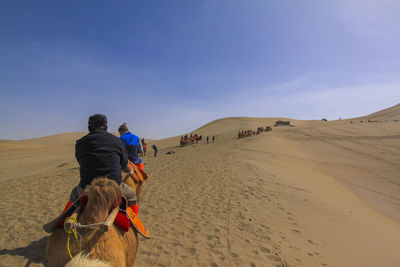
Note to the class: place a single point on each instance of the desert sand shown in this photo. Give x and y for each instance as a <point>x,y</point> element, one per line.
<point>316,194</point>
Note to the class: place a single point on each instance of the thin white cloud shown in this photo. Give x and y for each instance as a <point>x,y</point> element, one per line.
<point>372,18</point>
<point>345,102</point>
<point>308,98</point>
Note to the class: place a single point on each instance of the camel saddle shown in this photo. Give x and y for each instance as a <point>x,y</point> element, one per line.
<point>123,220</point>
<point>126,216</point>
<point>138,175</point>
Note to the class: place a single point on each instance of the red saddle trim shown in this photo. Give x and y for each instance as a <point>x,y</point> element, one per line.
<point>122,220</point>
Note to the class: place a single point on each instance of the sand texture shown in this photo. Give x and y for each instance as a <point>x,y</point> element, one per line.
<point>316,194</point>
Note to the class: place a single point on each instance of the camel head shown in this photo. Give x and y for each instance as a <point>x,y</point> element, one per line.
<point>103,195</point>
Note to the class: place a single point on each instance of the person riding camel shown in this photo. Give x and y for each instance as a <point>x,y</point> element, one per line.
<point>100,153</point>
<point>144,147</point>
<point>132,144</point>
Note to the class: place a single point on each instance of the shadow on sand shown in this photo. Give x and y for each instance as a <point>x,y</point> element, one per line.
<point>34,252</point>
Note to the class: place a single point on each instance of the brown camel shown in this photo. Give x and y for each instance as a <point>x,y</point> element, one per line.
<point>137,186</point>
<point>115,246</point>
<point>82,260</point>
<point>139,175</point>
<point>144,149</point>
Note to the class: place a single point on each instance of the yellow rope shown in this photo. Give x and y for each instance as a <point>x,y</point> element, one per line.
<point>69,232</point>
<point>73,231</point>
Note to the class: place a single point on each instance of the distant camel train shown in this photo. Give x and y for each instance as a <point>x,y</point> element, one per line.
<point>186,140</point>
<point>250,132</point>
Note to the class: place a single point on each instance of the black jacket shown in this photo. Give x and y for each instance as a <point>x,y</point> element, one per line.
<point>100,153</point>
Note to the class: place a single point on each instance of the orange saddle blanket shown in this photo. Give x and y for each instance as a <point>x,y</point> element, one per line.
<point>137,174</point>
<point>123,220</point>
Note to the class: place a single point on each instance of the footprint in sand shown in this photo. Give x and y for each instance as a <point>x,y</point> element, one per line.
<point>265,250</point>
<point>265,226</point>
<point>234,255</point>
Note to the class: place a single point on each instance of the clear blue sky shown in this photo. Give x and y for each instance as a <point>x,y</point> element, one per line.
<point>168,67</point>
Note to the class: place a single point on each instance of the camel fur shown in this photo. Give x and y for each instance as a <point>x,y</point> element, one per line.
<point>138,187</point>
<point>115,246</point>
<point>83,260</point>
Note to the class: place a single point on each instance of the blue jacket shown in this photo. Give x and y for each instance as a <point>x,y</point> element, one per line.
<point>133,146</point>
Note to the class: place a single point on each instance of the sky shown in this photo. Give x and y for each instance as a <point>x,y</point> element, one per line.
<point>168,67</point>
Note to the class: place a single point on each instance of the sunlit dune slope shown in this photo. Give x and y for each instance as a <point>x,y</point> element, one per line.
<point>392,113</point>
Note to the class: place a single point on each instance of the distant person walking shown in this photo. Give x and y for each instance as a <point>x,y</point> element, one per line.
<point>213,138</point>
<point>207,139</point>
<point>154,147</point>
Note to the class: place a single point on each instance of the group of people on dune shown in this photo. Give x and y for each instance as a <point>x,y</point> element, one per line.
<point>144,148</point>
<point>250,132</point>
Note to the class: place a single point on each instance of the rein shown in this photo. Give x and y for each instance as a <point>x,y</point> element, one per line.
<point>71,225</point>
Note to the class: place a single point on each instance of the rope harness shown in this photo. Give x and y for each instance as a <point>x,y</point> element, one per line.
<point>71,225</point>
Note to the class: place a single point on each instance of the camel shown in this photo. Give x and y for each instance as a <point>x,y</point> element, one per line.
<point>182,141</point>
<point>245,133</point>
<point>144,149</point>
<point>186,140</point>
<point>138,187</point>
<point>83,260</point>
<point>197,138</point>
<point>115,246</point>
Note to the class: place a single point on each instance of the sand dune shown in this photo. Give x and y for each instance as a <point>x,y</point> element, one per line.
<point>38,155</point>
<point>392,113</point>
<point>317,194</point>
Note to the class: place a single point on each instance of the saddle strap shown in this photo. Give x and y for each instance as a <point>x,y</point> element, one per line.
<point>138,175</point>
